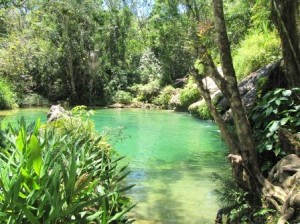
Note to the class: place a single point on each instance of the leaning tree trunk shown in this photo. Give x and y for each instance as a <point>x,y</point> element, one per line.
<point>228,85</point>
<point>287,17</point>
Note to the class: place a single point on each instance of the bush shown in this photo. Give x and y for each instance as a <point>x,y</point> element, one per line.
<point>61,172</point>
<point>123,97</point>
<point>203,112</point>
<point>189,94</point>
<point>165,96</point>
<point>256,51</point>
<point>146,92</point>
<point>7,96</point>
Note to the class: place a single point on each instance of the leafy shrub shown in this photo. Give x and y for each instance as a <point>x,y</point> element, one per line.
<point>7,96</point>
<point>256,51</point>
<point>60,172</point>
<point>146,92</point>
<point>278,108</point>
<point>123,97</point>
<point>165,96</point>
<point>203,112</point>
<point>189,94</point>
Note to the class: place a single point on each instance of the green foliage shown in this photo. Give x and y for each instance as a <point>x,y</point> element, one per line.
<point>238,205</point>
<point>189,94</point>
<point>34,100</point>
<point>146,92</point>
<point>257,50</point>
<point>123,97</point>
<point>261,16</point>
<point>278,108</point>
<point>172,35</point>
<point>150,68</point>
<point>203,112</point>
<point>164,97</point>
<point>237,12</point>
<point>234,201</point>
<point>7,96</point>
<point>55,173</point>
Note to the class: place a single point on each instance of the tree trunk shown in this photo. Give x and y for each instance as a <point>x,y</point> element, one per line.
<point>70,70</point>
<point>287,14</point>
<point>228,84</point>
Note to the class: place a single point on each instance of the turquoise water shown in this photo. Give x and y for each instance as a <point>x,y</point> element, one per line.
<point>171,157</point>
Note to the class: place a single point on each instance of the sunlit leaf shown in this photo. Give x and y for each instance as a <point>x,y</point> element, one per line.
<point>274,127</point>
<point>35,154</point>
<point>287,92</point>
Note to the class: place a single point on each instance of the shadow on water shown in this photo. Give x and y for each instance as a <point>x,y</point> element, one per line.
<point>175,193</point>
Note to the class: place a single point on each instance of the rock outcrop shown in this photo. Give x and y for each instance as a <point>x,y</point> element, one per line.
<point>249,88</point>
<point>56,112</point>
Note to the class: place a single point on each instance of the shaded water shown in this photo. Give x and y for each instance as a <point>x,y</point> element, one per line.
<point>171,157</point>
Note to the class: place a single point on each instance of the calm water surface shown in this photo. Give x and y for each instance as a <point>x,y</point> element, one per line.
<point>171,157</point>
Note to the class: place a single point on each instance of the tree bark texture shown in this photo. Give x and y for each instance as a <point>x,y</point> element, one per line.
<point>287,14</point>
<point>228,85</point>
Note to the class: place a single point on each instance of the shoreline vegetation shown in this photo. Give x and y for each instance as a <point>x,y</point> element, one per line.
<point>61,171</point>
<point>170,54</point>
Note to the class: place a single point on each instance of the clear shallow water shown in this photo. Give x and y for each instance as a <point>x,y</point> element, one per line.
<point>171,157</point>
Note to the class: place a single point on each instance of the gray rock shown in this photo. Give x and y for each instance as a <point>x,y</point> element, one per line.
<point>248,89</point>
<point>56,112</point>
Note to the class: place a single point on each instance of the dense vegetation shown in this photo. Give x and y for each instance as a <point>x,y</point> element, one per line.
<point>103,52</point>
<point>100,52</point>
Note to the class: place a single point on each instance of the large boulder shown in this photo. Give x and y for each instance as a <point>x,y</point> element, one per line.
<point>56,112</point>
<point>249,89</point>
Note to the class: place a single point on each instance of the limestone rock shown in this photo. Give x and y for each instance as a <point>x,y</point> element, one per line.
<point>56,112</point>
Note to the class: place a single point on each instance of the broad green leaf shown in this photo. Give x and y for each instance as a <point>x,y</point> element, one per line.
<point>287,92</point>
<point>284,121</point>
<point>277,91</point>
<point>37,126</point>
<point>26,174</point>
<point>274,127</point>
<point>269,111</point>
<point>277,151</point>
<point>277,101</point>
<point>35,154</point>
<point>94,216</point>
<point>21,140</point>
<point>269,146</point>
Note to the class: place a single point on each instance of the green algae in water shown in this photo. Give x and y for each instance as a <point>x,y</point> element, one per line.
<point>171,157</point>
